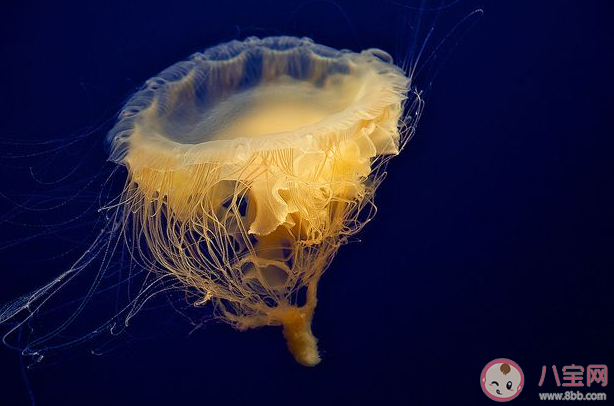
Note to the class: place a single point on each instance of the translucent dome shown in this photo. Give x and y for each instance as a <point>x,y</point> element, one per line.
<point>258,94</point>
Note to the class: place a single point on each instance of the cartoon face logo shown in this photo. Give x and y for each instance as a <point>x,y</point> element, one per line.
<point>502,380</point>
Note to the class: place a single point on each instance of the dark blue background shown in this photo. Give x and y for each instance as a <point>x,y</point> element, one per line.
<point>495,235</point>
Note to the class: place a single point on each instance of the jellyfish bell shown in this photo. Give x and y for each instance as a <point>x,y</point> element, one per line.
<point>250,163</point>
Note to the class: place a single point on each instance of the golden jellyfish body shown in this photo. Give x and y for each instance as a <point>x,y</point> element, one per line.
<point>250,163</point>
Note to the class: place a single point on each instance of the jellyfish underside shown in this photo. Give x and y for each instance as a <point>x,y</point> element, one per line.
<point>250,164</point>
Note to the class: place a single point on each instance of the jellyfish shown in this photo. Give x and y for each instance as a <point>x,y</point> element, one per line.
<point>248,166</point>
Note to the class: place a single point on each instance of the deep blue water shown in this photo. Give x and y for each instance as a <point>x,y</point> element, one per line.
<point>494,238</point>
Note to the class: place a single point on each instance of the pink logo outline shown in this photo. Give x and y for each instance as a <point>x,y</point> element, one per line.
<point>501,361</point>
